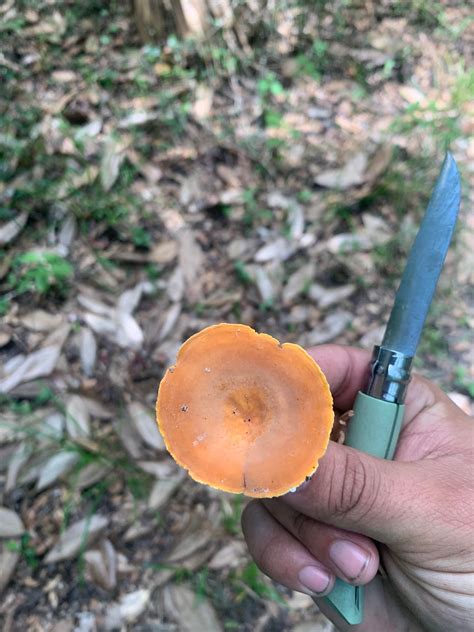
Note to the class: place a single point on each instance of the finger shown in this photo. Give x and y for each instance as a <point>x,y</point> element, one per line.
<point>358,492</point>
<point>280,556</point>
<point>350,556</point>
<point>346,370</point>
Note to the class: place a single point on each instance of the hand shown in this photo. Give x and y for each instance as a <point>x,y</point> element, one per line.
<point>413,515</point>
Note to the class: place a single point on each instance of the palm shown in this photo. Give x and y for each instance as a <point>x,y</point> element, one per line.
<point>416,567</point>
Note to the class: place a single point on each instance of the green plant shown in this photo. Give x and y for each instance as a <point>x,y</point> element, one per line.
<point>27,406</point>
<point>231,520</point>
<point>141,237</point>
<point>313,62</point>
<point>25,549</point>
<point>242,273</point>
<point>255,580</point>
<point>463,91</point>
<point>440,122</point>
<point>4,305</point>
<point>39,272</point>
<point>253,211</point>
<point>463,381</point>
<point>304,196</point>
<point>270,85</point>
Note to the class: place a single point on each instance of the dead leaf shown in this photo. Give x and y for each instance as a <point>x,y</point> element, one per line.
<point>164,489</point>
<point>320,623</point>
<point>192,547</point>
<point>58,336</point>
<point>72,183</point>
<point>372,337</point>
<point>281,249</point>
<point>170,320</point>
<point>202,106</point>
<point>87,351</point>
<point>162,68</point>
<point>346,243</point>
<point>464,402</point>
<point>296,221</point>
<point>161,469</point>
<point>9,230</point>
<point>90,474</point>
<point>412,95</point>
<point>5,336</point>
<point>11,525</point>
<point>264,285</point>
<point>64,76</point>
<point>130,607</point>
<point>90,130</point>
<point>144,422</point>
<point>276,199</point>
<point>101,325</point>
<point>77,418</point>
<point>190,612</point>
<point>102,565</point>
<point>112,159</point>
<point>96,409</point>
<point>165,252</point>
<point>129,333</point>
<point>232,555</point>
<point>332,326</point>
<point>8,562</point>
<point>298,282</point>
<point>37,364</point>
<point>55,467</point>
<point>299,601</point>
<point>137,118</point>
<point>77,536</point>
<point>376,229</point>
<point>130,299</point>
<point>51,428</point>
<point>325,297</point>
<point>39,320</point>
<point>94,305</point>
<point>351,174</point>
<point>68,231</point>
<point>128,436</point>
<point>175,285</point>
<point>17,461</point>
<point>191,260</point>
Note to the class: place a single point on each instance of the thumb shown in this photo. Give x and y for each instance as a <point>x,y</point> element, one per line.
<point>358,492</point>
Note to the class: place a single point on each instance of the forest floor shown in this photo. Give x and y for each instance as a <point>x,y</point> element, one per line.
<point>274,175</point>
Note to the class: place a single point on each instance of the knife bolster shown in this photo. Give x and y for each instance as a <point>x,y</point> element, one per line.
<point>389,375</point>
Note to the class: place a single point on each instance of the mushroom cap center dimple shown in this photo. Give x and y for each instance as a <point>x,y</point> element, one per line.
<point>247,413</point>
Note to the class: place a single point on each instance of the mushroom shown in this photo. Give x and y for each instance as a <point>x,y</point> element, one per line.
<point>244,413</point>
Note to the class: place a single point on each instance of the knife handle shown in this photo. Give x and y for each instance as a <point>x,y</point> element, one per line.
<point>374,429</point>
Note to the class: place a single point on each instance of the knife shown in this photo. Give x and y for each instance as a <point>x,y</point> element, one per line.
<point>378,411</point>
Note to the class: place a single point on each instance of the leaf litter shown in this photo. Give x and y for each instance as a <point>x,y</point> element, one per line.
<point>220,200</point>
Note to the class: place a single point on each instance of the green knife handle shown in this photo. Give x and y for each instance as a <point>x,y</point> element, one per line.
<point>373,429</point>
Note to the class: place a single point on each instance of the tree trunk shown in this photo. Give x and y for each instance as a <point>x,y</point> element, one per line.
<point>190,17</point>
<point>150,17</point>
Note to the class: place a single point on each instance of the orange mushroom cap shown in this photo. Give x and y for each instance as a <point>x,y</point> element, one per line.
<point>244,413</point>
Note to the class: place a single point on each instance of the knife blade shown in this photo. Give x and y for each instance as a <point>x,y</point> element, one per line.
<point>425,263</point>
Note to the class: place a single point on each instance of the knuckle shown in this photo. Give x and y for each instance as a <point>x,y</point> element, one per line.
<point>300,526</point>
<point>354,493</point>
<point>265,555</point>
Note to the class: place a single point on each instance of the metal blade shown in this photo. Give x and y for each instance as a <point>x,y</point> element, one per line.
<point>425,262</point>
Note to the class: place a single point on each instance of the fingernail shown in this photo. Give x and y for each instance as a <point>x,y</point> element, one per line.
<point>316,580</point>
<point>350,559</point>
